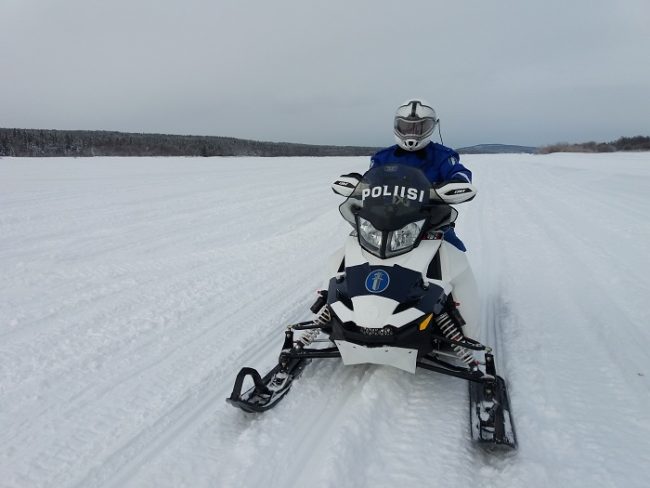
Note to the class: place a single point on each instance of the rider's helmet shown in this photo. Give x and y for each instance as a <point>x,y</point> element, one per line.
<point>415,121</point>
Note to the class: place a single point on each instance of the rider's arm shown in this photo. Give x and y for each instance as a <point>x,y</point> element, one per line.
<point>453,170</point>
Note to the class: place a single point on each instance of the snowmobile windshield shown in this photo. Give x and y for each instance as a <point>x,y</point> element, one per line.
<point>391,210</point>
<point>389,197</point>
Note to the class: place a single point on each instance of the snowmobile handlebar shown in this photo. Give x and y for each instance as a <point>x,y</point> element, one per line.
<point>452,192</point>
<point>449,192</point>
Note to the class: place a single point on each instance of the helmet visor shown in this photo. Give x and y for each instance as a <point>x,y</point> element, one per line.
<point>413,127</point>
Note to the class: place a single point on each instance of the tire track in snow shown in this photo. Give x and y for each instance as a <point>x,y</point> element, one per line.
<point>360,425</point>
<point>140,371</point>
<point>144,371</point>
<point>565,319</point>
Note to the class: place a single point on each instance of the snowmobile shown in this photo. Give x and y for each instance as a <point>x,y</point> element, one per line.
<point>397,294</point>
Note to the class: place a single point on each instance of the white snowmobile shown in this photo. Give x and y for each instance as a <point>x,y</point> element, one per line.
<point>398,294</point>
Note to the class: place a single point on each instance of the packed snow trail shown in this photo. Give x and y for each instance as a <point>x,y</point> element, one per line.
<point>132,290</point>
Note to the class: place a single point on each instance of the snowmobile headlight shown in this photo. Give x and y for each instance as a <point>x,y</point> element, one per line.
<point>404,238</point>
<point>370,236</point>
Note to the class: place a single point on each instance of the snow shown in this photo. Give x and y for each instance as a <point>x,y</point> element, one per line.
<point>133,289</point>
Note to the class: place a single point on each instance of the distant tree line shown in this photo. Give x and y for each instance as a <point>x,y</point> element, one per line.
<point>36,142</point>
<point>637,143</point>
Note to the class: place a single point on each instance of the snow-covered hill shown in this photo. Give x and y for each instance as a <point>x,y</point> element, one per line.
<point>133,290</point>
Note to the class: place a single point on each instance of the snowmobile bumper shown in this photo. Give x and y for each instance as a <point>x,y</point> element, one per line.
<point>398,357</point>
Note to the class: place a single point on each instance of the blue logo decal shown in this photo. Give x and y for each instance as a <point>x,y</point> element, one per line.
<point>377,281</point>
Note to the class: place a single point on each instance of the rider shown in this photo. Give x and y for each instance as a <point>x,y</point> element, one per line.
<point>415,121</point>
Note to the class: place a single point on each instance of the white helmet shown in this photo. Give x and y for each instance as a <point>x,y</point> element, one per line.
<point>415,121</point>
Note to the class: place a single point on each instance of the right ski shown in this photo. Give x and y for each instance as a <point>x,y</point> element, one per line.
<point>266,391</point>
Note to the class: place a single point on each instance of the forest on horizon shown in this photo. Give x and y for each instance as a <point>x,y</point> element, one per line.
<point>86,143</point>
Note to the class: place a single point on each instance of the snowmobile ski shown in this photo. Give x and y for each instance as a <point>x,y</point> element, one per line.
<point>490,417</point>
<point>266,391</point>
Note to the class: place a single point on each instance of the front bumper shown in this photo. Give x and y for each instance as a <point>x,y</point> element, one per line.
<point>398,357</point>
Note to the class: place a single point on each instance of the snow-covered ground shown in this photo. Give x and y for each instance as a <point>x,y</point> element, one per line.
<point>133,290</point>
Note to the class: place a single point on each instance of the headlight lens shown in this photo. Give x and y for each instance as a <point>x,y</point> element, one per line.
<point>370,235</point>
<point>404,238</point>
<point>397,242</point>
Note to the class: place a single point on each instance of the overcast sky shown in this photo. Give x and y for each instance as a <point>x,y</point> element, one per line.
<point>333,72</point>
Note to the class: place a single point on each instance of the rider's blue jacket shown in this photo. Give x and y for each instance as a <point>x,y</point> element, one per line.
<point>438,162</point>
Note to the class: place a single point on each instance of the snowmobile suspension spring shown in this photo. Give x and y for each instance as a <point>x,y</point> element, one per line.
<point>308,337</point>
<point>324,316</point>
<point>450,331</point>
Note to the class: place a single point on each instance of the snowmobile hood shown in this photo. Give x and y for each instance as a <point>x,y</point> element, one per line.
<point>376,296</point>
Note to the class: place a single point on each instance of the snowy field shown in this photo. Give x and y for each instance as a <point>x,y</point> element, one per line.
<point>132,291</point>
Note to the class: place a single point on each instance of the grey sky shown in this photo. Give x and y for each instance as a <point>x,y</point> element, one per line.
<point>510,71</point>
